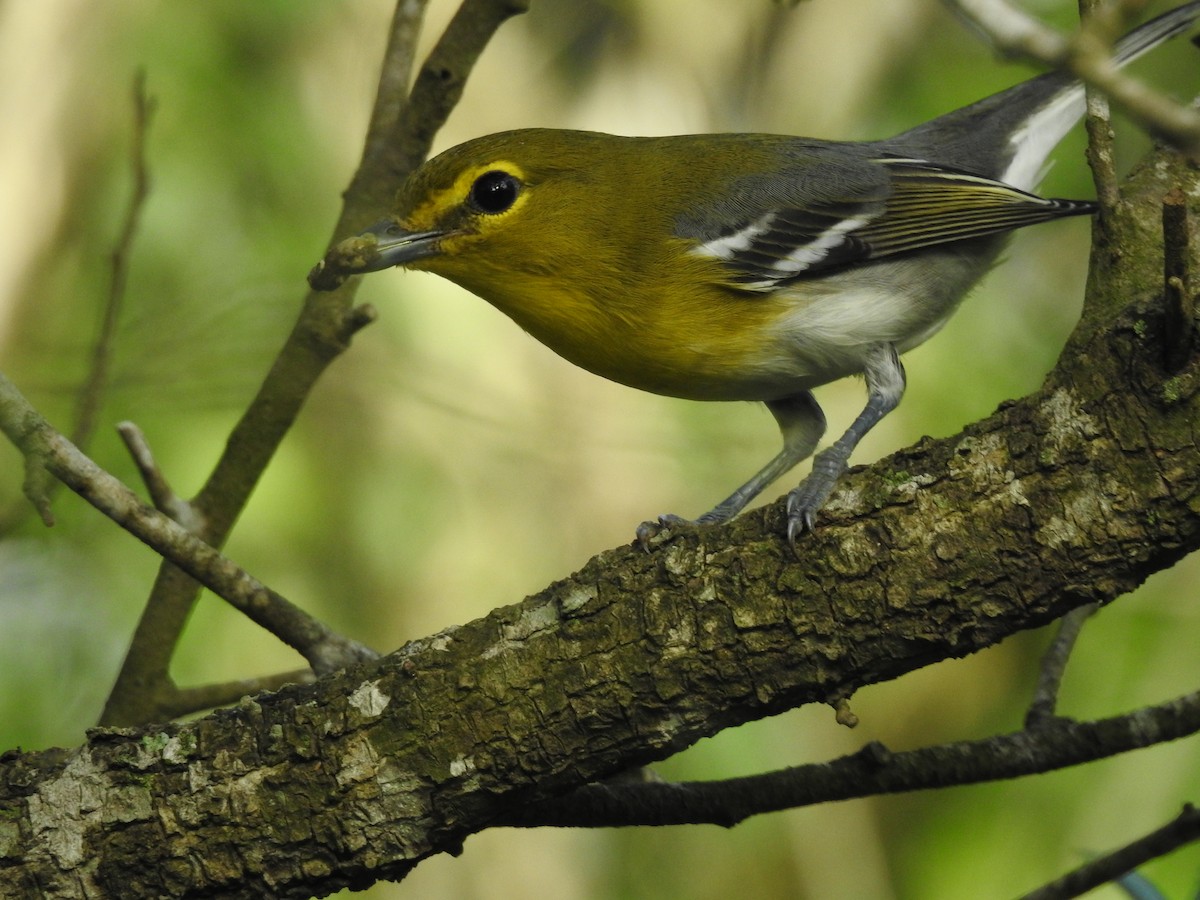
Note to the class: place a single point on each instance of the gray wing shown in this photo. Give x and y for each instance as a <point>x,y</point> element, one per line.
<point>836,212</point>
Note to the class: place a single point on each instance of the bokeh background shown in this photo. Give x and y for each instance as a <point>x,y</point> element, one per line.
<point>448,464</point>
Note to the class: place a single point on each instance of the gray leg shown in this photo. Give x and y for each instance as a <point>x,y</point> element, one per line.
<point>801,423</point>
<point>885,387</point>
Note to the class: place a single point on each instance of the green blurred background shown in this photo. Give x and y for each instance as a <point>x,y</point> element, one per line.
<point>448,464</point>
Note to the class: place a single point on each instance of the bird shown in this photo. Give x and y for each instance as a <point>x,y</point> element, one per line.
<point>740,266</point>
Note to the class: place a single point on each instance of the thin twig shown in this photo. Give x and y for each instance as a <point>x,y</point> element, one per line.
<point>1098,124</point>
<point>33,435</point>
<point>1183,829</point>
<point>391,95</point>
<point>161,493</point>
<point>1054,665</point>
<point>91,395</point>
<point>1100,151</point>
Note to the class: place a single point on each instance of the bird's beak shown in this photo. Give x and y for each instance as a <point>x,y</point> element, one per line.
<point>383,245</point>
<point>394,246</point>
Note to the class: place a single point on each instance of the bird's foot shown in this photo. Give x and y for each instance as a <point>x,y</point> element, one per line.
<point>647,531</point>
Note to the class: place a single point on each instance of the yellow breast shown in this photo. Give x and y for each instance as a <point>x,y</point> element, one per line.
<point>676,334</point>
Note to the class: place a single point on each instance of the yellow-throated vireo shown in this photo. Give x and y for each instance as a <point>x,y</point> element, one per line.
<point>740,266</point>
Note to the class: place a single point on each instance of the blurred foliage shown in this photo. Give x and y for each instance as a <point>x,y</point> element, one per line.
<point>449,464</point>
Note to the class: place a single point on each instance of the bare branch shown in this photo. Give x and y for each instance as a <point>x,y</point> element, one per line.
<point>872,770</point>
<point>161,493</point>
<point>91,394</point>
<point>34,436</point>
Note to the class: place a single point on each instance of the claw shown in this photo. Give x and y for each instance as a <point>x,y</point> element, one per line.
<point>799,521</point>
<point>795,528</point>
<point>803,504</point>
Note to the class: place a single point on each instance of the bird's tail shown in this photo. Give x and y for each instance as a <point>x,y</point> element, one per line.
<point>1012,133</point>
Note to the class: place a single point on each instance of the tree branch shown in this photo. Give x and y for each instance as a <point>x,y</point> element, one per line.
<point>871,771</point>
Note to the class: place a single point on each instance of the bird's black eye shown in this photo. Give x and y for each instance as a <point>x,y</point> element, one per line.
<point>495,191</point>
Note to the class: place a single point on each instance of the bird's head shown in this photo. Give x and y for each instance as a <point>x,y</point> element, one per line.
<point>504,207</point>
